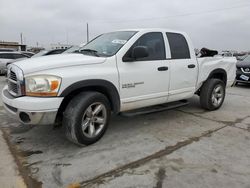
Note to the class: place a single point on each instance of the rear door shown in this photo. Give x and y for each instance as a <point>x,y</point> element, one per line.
<point>145,81</point>
<point>183,66</point>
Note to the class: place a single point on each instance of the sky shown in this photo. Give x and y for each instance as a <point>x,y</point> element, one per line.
<point>215,24</point>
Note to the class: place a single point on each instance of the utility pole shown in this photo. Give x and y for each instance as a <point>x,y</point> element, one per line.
<point>67,37</point>
<point>21,36</point>
<point>87,32</point>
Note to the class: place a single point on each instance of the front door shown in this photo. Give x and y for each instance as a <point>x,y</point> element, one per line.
<point>145,81</point>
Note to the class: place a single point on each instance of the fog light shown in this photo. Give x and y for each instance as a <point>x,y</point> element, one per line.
<point>24,117</point>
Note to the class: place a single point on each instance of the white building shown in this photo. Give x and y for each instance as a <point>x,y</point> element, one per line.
<point>59,46</point>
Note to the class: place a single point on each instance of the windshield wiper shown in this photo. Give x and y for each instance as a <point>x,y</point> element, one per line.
<point>90,51</point>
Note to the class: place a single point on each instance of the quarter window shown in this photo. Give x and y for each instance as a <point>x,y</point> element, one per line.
<point>154,42</point>
<point>178,46</point>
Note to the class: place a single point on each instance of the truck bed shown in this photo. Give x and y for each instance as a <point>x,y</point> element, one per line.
<point>208,64</point>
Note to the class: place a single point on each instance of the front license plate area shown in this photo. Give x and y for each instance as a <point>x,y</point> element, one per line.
<point>244,77</point>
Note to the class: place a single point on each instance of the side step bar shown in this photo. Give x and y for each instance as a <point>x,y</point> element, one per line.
<point>156,108</point>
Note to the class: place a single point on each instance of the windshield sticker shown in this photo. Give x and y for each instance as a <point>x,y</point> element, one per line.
<point>117,41</point>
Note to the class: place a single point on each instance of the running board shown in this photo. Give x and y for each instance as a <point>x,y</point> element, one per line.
<point>156,108</point>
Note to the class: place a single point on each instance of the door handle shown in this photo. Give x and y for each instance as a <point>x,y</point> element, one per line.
<point>162,68</point>
<point>191,66</point>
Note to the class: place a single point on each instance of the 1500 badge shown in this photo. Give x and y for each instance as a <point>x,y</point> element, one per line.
<point>131,85</point>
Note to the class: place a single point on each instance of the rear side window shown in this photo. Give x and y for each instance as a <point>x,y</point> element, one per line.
<point>154,42</point>
<point>178,46</point>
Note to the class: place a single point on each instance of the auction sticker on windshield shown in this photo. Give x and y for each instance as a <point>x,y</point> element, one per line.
<point>243,77</point>
<point>118,41</point>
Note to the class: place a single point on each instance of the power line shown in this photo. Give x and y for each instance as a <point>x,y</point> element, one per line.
<point>175,16</point>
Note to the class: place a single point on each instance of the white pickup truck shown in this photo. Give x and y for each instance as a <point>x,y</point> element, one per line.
<point>115,72</point>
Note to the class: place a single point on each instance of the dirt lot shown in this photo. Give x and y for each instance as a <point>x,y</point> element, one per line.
<point>185,147</point>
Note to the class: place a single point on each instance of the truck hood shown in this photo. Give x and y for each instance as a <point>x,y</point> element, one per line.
<point>57,61</point>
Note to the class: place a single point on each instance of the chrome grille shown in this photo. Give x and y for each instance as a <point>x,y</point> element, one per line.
<point>14,81</point>
<point>13,76</point>
<point>245,70</point>
<point>13,87</point>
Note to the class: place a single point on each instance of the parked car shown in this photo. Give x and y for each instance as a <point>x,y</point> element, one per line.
<point>73,49</point>
<point>226,54</point>
<point>8,58</point>
<point>116,72</point>
<point>241,57</point>
<point>243,71</point>
<point>29,54</point>
<point>7,50</point>
<point>50,52</point>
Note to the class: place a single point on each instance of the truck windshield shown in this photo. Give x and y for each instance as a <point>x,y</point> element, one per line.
<point>107,44</point>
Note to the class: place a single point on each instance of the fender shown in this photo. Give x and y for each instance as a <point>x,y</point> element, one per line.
<point>102,86</point>
<point>216,74</point>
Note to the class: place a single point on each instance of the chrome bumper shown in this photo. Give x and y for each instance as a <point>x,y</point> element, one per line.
<point>18,109</point>
<point>31,118</point>
<point>243,81</point>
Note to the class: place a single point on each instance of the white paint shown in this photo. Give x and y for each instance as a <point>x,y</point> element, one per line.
<point>179,82</point>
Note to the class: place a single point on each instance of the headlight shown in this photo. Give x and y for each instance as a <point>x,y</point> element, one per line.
<point>42,85</point>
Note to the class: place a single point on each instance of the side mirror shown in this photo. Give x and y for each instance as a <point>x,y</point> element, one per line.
<point>136,53</point>
<point>140,52</point>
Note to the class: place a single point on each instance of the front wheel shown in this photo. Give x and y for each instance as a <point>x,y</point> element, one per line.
<point>86,118</point>
<point>212,94</point>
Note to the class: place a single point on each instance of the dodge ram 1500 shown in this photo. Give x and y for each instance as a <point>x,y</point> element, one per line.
<point>115,72</point>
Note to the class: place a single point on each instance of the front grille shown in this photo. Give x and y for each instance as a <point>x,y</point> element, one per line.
<point>13,76</point>
<point>13,87</point>
<point>14,83</point>
<point>246,70</point>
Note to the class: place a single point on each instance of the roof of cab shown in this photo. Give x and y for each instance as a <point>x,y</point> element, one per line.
<point>152,30</point>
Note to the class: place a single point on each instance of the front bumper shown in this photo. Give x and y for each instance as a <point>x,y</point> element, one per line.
<point>239,75</point>
<point>31,110</point>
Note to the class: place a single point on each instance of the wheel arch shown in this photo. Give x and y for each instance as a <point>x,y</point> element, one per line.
<point>219,74</point>
<point>96,85</point>
<point>216,73</point>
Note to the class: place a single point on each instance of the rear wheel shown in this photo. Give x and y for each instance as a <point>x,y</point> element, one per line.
<point>212,94</point>
<point>86,118</point>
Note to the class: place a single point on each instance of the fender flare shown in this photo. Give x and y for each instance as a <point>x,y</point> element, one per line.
<point>99,85</point>
<point>219,71</point>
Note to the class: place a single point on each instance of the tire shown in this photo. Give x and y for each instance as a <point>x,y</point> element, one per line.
<point>86,118</point>
<point>212,94</point>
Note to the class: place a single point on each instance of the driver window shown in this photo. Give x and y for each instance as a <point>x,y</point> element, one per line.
<point>154,42</point>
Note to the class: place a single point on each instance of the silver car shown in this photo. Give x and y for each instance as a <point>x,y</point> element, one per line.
<point>9,57</point>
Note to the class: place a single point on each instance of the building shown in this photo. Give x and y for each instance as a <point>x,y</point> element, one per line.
<point>13,45</point>
<point>60,46</point>
<point>35,49</point>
